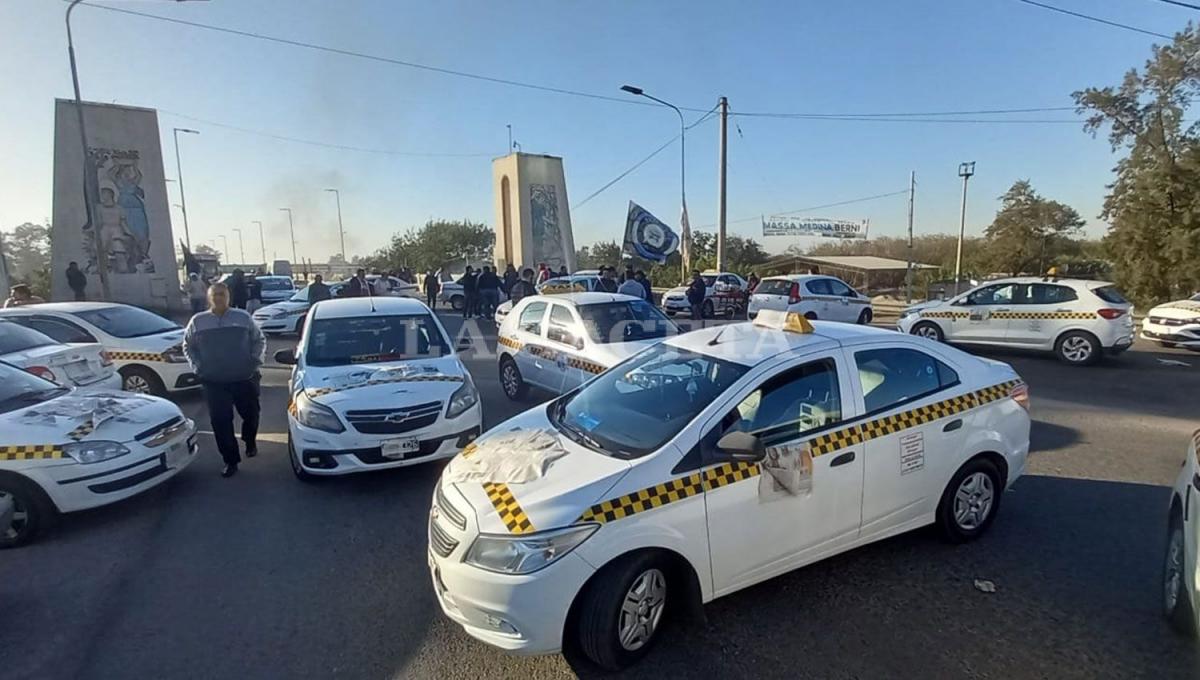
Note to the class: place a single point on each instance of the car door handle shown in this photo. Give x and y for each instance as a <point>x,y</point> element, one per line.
<point>952,425</point>
<point>842,459</point>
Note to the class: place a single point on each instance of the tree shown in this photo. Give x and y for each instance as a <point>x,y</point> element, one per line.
<point>740,255</point>
<point>1029,231</point>
<point>1153,207</point>
<point>27,248</point>
<point>436,245</point>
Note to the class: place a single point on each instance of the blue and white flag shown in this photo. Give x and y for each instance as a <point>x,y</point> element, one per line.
<point>647,237</point>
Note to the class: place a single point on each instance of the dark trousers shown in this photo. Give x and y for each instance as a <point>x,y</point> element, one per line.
<point>470,304</point>
<point>222,399</point>
<point>431,299</point>
<point>79,296</point>
<point>697,311</point>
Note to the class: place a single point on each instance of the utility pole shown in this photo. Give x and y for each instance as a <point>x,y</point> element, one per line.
<point>90,188</point>
<point>341,231</point>
<point>262,242</point>
<point>292,231</point>
<point>187,237</point>
<point>965,170</point>
<point>225,240</point>
<point>724,106</point>
<point>510,146</point>
<point>241,247</point>
<point>912,193</point>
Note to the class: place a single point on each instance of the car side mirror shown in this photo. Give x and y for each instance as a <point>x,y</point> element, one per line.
<point>577,343</point>
<point>741,446</point>
<point>287,357</point>
<point>464,344</point>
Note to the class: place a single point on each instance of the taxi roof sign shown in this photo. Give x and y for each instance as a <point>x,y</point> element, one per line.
<point>779,320</point>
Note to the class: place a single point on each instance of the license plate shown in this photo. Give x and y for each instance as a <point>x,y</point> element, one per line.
<point>176,453</point>
<point>77,370</point>
<point>399,448</point>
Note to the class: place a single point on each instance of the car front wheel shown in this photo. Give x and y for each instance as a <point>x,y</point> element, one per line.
<point>1176,605</point>
<point>621,612</point>
<point>864,318</point>
<point>23,511</point>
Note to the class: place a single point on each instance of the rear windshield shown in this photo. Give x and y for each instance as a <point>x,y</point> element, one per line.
<point>774,287</point>
<point>625,321</point>
<point>14,338</point>
<point>127,322</point>
<point>1111,295</point>
<point>276,284</point>
<point>372,339</point>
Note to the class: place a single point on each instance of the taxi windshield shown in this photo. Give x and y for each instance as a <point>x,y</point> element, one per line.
<point>625,321</point>
<point>19,389</point>
<point>300,296</point>
<point>373,339</point>
<point>637,406</point>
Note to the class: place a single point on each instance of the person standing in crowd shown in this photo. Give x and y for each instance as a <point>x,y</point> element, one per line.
<point>695,295</point>
<point>238,293</point>
<point>523,288</point>
<point>225,349</point>
<point>510,277</point>
<point>380,286</point>
<point>631,286</point>
<point>432,286</point>
<point>543,273</point>
<point>20,296</point>
<point>196,291</point>
<point>253,293</point>
<point>628,273</point>
<point>469,283</point>
<point>562,271</point>
<point>76,281</point>
<point>640,277</point>
<point>489,292</point>
<point>608,280</point>
<point>358,286</point>
<point>752,282</point>
<point>318,290</point>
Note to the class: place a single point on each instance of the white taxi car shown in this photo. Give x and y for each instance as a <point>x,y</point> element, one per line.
<point>146,348</point>
<point>558,342</point>
<point>85,367</point>
<point>62,451</point>
<point>288,316</point>
<point>1181,569</point>
<point>814,297</point>
<point>1175,324</point>
<point>1078,320</point>
<point>724,295</point>
<point>709,462</point>
<point>579,283</point>
<point>376,385</point>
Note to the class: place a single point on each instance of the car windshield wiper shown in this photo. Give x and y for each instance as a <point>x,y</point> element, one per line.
<point>34,396</point>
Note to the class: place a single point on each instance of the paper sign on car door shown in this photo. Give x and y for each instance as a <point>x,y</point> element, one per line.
<point>912,452</point>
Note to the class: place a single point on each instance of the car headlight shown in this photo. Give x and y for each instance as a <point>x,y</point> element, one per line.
<point>908,312</point>
<point>174,355</point>
<point>94,451</point>
<point>317,416</point>
<point>518,554</point>
<point>463,398</point>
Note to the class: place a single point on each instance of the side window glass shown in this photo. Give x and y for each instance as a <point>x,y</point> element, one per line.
<point>819,287</point>
<point>562,327</point>
<point>531,318</point>
<point>992,295</point>
<point>1046,294</point>
<point>61,331</point>
<point>839,288</point>
<point>787,405</point>
<point>891,377</point>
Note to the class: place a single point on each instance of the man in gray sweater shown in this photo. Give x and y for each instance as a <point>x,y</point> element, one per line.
<point>225,350</point>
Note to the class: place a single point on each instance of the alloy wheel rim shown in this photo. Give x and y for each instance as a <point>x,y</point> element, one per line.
<point>642,609</point>
<point>927,332</point>
<point>1077,348</point>
<point>510,380</point>
<point>19,519</point>
<point>137,384</point>
<point>973,501</point>
<point>1174,570</point>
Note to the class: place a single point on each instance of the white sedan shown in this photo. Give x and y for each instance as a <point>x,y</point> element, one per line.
<point>288,316</point>
<point>1181,569</point>
<point>708,463</point>
<point>558,342</point>
<point>813,297</point>
<point>61,451</point>
<point>146,348</point>
<point>84,366</point>
<point>1174,324</point>
<point>376,385</point>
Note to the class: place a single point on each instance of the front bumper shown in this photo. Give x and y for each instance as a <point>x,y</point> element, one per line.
<point>1184,336</point>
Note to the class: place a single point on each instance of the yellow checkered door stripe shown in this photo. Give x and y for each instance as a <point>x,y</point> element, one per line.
<point>944,315</point>
<point>117,355</point>
<point>1043,315</point>
<point>508,508</point>
<point>31,452</point>
<point>552,355</point>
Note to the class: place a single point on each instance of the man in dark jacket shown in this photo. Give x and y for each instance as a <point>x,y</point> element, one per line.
<point>432,286</point>
<point>510,277</point>
<point>238,292</point>
<point>317,290</point>
<point>225,349</point>
<point>640,277</point>
<point>488,287</point>
<point>523,288</point>
<point>469,283</point>
<point>608,280</point>
<point>76,281</point>
<point>358,286</point>
<point>696,293</point>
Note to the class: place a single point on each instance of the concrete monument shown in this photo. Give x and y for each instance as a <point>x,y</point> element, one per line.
<point>533,220</point>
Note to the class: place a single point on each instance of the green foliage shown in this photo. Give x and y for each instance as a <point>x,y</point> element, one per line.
<point>436,245</point>
<point>741,255</point>
<point>1029,232</point>
<point>1153,207</point>
<point>27,251</point>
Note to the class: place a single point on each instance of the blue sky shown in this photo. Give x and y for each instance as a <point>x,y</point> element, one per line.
<point>863,57</point>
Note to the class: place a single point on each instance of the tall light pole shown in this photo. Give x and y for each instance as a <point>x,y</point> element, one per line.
<point>685,237</point>
<point>965,170</point>
<point>908,275</point>
<point>225,240</point>
<point>241,248</point>
<point>187,238</point>
<point>292,231</point>
<point>262,242</point>
<point>341,232</point>
<point>723,166</point>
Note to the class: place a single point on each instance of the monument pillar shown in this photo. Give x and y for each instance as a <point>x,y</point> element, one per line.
<point>533,219</point>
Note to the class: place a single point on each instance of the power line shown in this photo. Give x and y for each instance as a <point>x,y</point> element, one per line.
<point>951,121</point>
<point>1098,20</point>
<point>979,112</point>
<point>1181,4</point>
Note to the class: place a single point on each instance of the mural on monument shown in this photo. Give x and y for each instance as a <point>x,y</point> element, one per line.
<point>547,235</point>
<point>120,213</point>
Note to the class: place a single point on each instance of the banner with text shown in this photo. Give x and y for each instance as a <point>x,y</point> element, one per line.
<point>782,225</point>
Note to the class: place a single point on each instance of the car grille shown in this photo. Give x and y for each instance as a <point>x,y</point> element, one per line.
<point>158,429</point>
<point>395,420</point>
<point>452,513</point>
<point>1164,321</point>
<point>439,541</point>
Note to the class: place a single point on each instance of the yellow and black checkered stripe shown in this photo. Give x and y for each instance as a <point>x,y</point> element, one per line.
<point>944,315</point>
<point>118,355</point>
<point>89,425</point>
<point>511,343</point>
<point>82,430</point>
<point>831,442</point>
<point>508,508</point>
<point>1043,315</point>
<point>31,452</point>
<point>552,355</point>
<point>433,377</point>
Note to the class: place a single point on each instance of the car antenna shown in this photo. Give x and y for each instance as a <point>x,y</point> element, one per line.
<point>717,338</point>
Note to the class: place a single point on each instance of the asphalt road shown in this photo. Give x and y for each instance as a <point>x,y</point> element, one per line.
<point>261,576</point>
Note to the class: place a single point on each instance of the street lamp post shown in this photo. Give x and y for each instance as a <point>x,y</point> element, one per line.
<point>639,92</point>
<point>89,173</point>
<point>187,237</point>
<point>262,242</point>
<point>341,231</point>
<point>241,247</point>
<point>225,240</point>
<point>965,170</point>
<point>292,231</point>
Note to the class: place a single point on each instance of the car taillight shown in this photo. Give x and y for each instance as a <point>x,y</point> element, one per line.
<point>105,359</point>
<point>794,293</point>
<point>1109,313</point>
<point>1020,394</point>
<point>42,372</point>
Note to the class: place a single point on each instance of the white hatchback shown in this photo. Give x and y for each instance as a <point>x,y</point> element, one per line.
<point>813,297</point>
<point>1174,324</point>
<point>376,385</point>
<point>707,463</point>
<point>1078,320</point>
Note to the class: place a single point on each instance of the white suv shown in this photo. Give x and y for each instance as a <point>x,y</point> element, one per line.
<point>1078,320</point>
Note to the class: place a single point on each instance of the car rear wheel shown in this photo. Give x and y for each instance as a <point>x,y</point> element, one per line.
<point>864,318</point>
<point>141,380</point>
<point>456,303</point>
<point>1176,605</point>
<point>23,511</point>
<point>622,610</point>
<point>970,501</point>
<point>1077,348</point>
<point>511,381</point>
<point>929,330</point>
